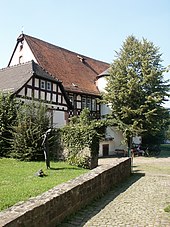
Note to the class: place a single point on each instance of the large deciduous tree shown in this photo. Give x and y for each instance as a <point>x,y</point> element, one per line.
<point>136,89</point>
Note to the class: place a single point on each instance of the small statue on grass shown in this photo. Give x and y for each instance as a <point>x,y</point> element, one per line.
<point>46,148</point>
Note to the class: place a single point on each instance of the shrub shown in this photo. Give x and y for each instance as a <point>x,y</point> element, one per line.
<point>31,123</point>
<point>8,113</point>
<point>82,132</point>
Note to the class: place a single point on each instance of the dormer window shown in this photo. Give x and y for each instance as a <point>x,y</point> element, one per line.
<point>43,84</point>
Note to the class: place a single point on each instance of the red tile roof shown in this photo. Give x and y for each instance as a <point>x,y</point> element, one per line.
<point>77,72</point>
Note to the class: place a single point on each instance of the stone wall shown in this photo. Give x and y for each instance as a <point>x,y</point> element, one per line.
<point>51,207</point>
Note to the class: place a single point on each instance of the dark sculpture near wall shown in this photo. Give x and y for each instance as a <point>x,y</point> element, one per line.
<point>46,148</point>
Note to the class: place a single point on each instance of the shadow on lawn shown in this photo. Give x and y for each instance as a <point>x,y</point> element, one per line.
<point>85,214</point>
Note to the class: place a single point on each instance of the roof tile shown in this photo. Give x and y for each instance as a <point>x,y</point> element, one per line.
<point>67,66</point>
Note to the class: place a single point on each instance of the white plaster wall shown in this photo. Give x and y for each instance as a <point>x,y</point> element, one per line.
<point>116,142</point>
<point>118,139</point>
<point>36,94</point>
<point>101,84</point>
<point>54,97</point>
<point>26,54</point>
<point>22,92</point>
<point>58,119</point>
<point>48,96</point>
<point>36,82</point>
<point>105,109</point>
<point>113,137</point>
<point>29,92</point>
<point>54,87</point>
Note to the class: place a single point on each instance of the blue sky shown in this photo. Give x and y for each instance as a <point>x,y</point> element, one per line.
<point>95,28</point>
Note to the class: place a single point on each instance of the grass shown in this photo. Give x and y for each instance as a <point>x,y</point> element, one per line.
<point>19,182</point>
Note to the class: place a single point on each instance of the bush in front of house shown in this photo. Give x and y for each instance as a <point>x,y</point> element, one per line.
<point>81,138</point>
<point>32,122</point>
<point>8,113</point>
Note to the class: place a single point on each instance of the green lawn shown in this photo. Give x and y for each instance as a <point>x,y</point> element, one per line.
<point>18,181</point>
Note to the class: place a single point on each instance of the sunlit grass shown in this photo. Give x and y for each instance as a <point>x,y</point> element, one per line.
<point>18,181</point>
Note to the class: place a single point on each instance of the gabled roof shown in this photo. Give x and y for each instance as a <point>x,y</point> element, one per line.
<point>15,77</point>
<point>77,72</point>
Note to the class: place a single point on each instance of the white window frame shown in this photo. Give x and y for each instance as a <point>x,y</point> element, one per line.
<point>42,85</point>
<point>49,86</point>
<point>88,103</point>
<point>83,102</point>
<point>93,104</point>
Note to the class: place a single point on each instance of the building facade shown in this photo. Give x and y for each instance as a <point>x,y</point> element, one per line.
<point>66,81</point>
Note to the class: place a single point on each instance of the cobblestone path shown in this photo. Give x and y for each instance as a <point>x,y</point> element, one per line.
<point>140,201</point>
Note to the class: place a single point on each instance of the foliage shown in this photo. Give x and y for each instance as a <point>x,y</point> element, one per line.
<point>31,123</point>
<point>136,89</point>
<point>19,182</point>
<point>82,132</point>
<point>55,144</point>
<point>165,150</point>
<point>8,111</point>
<point>80,161</point>
<point>167,131</point>
<point>167,209</point>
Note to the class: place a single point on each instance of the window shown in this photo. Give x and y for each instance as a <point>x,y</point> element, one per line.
<point>71,99</point>
<point>83,102</point>
<point>93,104</point>
<point>48,86</point>
<point>89,103</point>
<point>42,84</point>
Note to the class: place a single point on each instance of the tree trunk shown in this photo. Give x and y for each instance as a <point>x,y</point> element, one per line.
<point>129,141</point>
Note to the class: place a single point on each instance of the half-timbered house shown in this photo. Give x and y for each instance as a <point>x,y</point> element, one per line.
<point>29,81</point>
<point>78,73</point>
<point>65,80</point>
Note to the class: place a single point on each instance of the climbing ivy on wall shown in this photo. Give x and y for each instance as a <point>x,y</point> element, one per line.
<point>83,132</point>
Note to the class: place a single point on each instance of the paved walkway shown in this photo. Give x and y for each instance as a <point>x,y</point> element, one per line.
<point>140,201</point>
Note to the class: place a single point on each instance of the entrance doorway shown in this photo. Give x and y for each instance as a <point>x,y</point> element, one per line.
<point>105,149</point>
